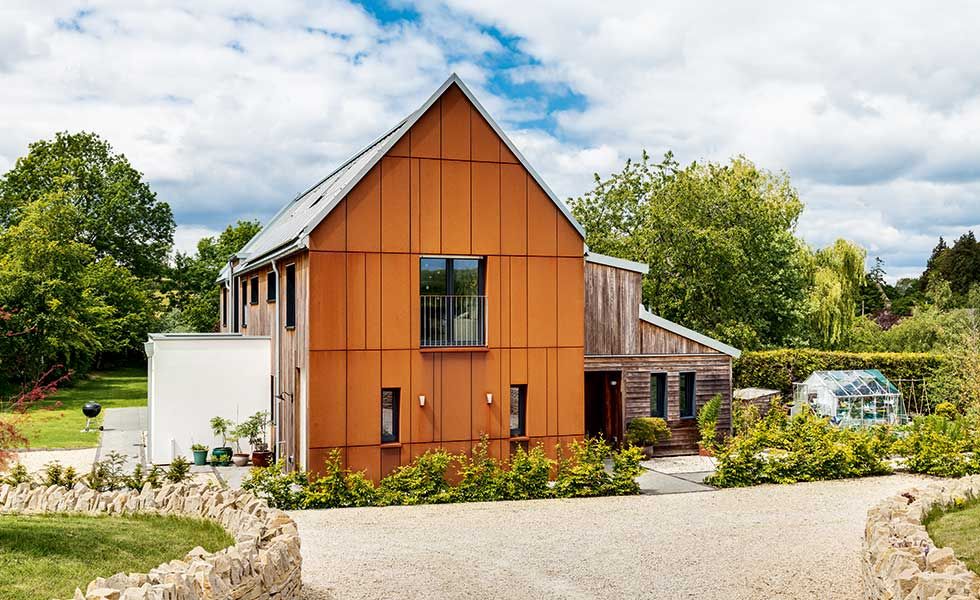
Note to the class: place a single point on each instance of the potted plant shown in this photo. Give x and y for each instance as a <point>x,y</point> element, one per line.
<point>200,454</point>
<point>221,427</point>
<point>647,432</point>
<point>261,455</point>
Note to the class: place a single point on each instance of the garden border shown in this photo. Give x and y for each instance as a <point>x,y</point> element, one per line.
<point>901,561</point>
<point>263,564</point>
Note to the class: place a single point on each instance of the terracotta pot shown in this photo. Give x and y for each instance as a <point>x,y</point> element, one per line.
<point>240,460</point>
<point>260,458</point>
<point>702,451</point>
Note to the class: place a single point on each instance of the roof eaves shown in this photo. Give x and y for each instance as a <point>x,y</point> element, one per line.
<point>690,334</point>
<point>616,262</point>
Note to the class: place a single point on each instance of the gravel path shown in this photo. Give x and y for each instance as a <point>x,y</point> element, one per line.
<point>794,541</point>
<point>35,460</point>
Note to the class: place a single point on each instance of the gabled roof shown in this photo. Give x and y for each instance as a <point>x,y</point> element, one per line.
<point>690,334</point>
<point>288,230</point>
<point>848,384</point>
<point>616,262</point>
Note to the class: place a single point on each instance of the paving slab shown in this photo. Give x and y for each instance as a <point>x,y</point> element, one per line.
<point>123,431</point>
<point>681,464</point>
<point>655,483</point>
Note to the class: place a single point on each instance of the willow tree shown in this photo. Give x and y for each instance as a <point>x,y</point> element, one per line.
<point>832,305</point>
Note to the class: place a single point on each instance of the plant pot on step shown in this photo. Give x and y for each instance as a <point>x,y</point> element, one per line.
<point>200,457</point>
<point>221,456</point>
<point>261,458</point>
<point>239,459</point>
<point>702,451</point>
<point>648,452</point>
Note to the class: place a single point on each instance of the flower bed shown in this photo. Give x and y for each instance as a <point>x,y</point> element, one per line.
<point>900,560</point>
<point>264,563</point>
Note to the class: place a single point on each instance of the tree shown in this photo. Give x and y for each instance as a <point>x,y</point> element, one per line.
<point>833,300</point>
<point>194,294</point>
<point>958,264</point>
<point>719,240</point>
<point>120,216</point>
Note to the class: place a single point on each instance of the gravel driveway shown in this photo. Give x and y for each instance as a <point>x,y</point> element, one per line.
<point>794,541</point>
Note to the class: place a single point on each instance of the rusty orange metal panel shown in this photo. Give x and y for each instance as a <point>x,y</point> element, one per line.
<point>486,144</point>
<point>506,156</point>
<point>518,301</point>
<point>318,458</point>
<point>366,459</point>
<point>455,124</point>
<point>570,243</point>
<point>486,380</point>
<point>542,222</point>
<point>503,299</point>
<point>327,423</point>
<point>430,201</point>
<point>542,302</point>
<point>396,301</point>
<point>456,409</point>
<point>372,300</point>
<point>414,206</point>
<point>395,205</point>
<point>356,303</point>
<point>493,301</point>
<point>513,210</point>
<point>426,132</point>
<point>331,233</point>
<point>364,213</point>
<point>537,392</point>
<point>396,372</point>
<point>413,299</point>
<point>455,207</point>
<point>550,445</point>
<point>401,148</point>
<point>571,302</point>
<point>501,415</point>
<point>553,391</point>
<point>328,307</point>
<point>391,459</point>
<point>423,417</point>
<point>363,397</point>
<point>438,404</point>
<point>518,366</point>
<point>486,208</point>
<point>420,449</point>
<point>571,391</point>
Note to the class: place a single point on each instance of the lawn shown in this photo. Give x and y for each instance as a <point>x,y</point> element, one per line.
<point>59,421</point>
<point>959,530</point>
<point>48,556</point>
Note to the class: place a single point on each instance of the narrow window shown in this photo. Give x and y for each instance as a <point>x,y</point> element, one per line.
<point>290,295</point>
<point>270,286</point>
<point>658,395</point>
<point>254,290</point>
<point>224,306</point>
<point>244,303</point>
<point>686,385</point>
<point>389,414</point>
<point>518,410</point>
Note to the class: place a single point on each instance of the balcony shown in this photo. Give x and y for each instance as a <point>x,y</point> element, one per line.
<point>453,321</point>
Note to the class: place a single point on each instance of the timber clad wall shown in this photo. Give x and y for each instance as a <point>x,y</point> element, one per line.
<point>449,187</point>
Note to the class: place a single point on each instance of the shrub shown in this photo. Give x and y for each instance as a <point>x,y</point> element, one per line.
<point>647,431</point>
<point>338,487</point>
<point>946,410</point>
<point>626,468</point>
<point>179,470</point>
<point>281,489</point>
<point>421,482</point>
<point>528,476</point>
<point>940,446</point>
<point>708,423</point>
<point>55,474</point>
<point>744,415</point>
<point>138,478</point>
<point>481,477</point>
<point>780,449</point>
<point>108,473</point>
<point>18,474</point>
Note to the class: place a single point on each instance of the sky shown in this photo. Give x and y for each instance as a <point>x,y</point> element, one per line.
<point>231,108</point>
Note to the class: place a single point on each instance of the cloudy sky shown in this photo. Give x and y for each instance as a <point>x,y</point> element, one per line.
<point>231,108</point>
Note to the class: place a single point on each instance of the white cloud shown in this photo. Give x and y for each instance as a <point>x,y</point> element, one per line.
<point>186,237</point>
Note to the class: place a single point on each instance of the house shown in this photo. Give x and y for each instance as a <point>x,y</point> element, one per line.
<point>431,291</point>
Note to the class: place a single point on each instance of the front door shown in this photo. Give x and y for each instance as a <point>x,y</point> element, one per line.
<point>603,405</point>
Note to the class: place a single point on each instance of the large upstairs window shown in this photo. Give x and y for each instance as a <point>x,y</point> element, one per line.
<point>452,302</point>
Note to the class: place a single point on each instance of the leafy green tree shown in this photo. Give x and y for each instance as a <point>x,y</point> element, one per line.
<point>719,240</point>
<point>958,264</point>
<point>195,295</point>
<point>833,301</point>
<point>119,216</point>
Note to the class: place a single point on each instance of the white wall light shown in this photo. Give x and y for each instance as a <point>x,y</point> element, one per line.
<point>489,398</point>
<point>421,400</point>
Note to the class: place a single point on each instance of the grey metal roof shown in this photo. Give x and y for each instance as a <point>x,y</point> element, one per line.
<point>616,262</point>
<point>690,334</point>
<point>289,228</point>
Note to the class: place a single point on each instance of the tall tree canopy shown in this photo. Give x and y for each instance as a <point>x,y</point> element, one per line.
<point>833,302</point>
<point>119,215</point>
<point>719,239</point>
<point>958,264</point>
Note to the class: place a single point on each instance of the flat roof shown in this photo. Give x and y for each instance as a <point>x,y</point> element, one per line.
<point>616,262</point>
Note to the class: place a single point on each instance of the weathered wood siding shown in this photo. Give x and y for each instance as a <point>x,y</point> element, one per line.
<point>657,340</point>
<point>612,308</point>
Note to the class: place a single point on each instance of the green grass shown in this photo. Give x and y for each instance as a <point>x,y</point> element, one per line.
<point>48,556</point>
<point>57,423</point>
<point>960,530</point>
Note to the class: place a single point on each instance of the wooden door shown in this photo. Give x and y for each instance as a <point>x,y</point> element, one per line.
<point>603,406</point>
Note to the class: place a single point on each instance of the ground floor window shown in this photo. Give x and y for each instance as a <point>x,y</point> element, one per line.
<point>518,410</point>
<point>686,385</point>
<point>658,395</point>
<point>389,414</point>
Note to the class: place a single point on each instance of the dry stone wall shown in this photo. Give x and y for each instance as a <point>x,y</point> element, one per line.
<point>264,563</point>
<point>900,560</point>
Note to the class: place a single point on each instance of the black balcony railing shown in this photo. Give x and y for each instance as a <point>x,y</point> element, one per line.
<point>453,321</point>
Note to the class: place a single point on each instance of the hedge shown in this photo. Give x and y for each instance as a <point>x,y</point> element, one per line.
<point>778,369</point>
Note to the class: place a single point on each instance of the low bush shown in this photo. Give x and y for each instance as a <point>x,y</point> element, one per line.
<point>745,415</point>
<point>708,423</point>
<point>647,431</point>
<point>806,447</point>
<point>580,471</point>
<point>939,445</point>
<point>55,474</point>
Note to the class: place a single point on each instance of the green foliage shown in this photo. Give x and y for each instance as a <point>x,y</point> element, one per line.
<point>222,427</point>
<point>778,369</point>
<point>528,475</point>
<point>708,423</point>
<point>833,300</point>
<point>706,230</point>
<point>481,477</point>
<point>940,446</point>
<point>421,482</point>
<point>958,264</point>
<point>108,473</point>
<point>946,410</point>
<point>626,468</point>
<point>199,448</point>
<point>647,431</point>
<point>780,449</point>
<point>18,474</point>
<point>252,429</point>
<point>56,474</point>
<point>337,487</point>
<point>140,477</point>
<point>745,415</point>
<point>280,488</point>
<point>179,470</point>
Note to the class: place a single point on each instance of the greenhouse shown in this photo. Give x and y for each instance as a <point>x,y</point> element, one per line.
<point>851,398</point>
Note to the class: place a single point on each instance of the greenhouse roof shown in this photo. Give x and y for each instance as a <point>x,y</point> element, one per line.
<point>868,382</point>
